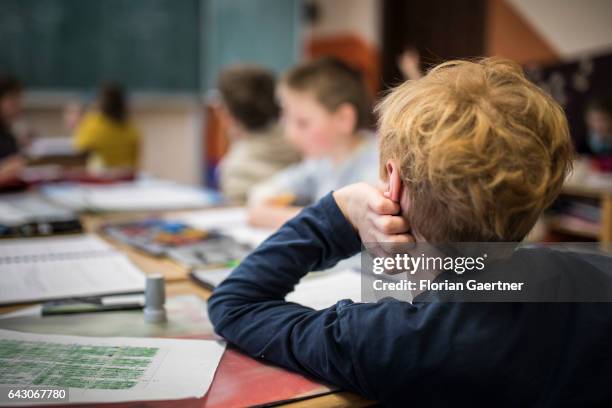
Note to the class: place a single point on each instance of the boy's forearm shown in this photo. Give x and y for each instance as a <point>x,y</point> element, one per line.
<point>316,239</point>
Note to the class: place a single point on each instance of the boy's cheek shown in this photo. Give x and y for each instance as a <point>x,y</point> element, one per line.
<point>313,144</point>
<point>320,145</point>
<point>315,140</point>
<point>323,140</point>
<point>306,147</point>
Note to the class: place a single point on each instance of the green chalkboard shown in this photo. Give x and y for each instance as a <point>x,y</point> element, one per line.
<point>265,32</point>
<point>149,45</point>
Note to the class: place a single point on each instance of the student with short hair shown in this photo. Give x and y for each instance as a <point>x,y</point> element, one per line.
<point>107,133</point>
<point>598,118</point>
<point>471,152</point>
<point>249,112</point>
<point>326,113</point>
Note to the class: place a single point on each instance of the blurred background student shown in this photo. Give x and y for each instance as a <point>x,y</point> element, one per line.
<point>598,119</point>
<point>599,123</point>
<point>409,64</point>
<point>11,162</point>
<point>249,112</point>
<point>326,113</point>
<point>107,135</point>
<point>73,114</point>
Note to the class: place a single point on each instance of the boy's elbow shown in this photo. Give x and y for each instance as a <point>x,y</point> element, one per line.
<point>223,308</point>
<point>216,305</point>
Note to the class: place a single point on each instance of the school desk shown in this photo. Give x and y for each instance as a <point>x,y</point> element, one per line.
<point>240,380</point>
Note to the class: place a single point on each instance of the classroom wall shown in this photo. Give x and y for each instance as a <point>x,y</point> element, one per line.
<point>509,35</point>
<point>171,129</point>
<point>523,30</point>
<point>348,30</point>
<point>572,27</point>
<point>548,31</point>
<point>361,17</point>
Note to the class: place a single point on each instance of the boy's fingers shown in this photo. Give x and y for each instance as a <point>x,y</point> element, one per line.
<point>390,224</point>
<point>382,186</point>
<point>383,206</point>
<point>404,239</point>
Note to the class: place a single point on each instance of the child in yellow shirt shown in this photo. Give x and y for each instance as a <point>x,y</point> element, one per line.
<point>107,133</point>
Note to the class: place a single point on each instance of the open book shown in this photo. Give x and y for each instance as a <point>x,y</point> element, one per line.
<point>37,269</point>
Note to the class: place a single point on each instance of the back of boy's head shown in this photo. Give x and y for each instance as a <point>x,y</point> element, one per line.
<point>332,83</point>
<point>481,150</point>
<point>248,93</point>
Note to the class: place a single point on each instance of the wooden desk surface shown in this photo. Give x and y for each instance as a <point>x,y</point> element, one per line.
<point>178,283</point>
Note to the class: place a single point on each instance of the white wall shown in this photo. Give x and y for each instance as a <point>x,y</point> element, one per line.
<point>349,16</point>
<point>572,27</point>
<point>171,128</point>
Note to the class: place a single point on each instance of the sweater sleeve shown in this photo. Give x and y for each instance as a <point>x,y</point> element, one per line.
<point>249,309</point>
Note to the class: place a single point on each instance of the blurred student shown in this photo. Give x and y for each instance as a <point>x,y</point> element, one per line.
<point>107,134</point>
<point>73,114</point>
<point>11,162</point>
<point>326,112</point>
<point>599,123</point>
<point>249,112</point>
<point>472,152</point>
<point>409,64</point>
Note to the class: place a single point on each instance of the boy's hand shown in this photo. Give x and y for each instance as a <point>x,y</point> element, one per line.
<point>374,216</point>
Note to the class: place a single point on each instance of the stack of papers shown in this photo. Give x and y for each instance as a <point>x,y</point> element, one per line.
<point>143,195</point>
<point>51,146</point>
<point>23,208</point>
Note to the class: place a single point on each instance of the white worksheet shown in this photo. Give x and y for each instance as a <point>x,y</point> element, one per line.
<point>38,269</point>
<point>111,369</point>
<point>320,290</point>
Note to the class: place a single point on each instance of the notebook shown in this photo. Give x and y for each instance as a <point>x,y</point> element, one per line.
<point>28,214</point>
<point>141,195</point>
<point>38,269</point>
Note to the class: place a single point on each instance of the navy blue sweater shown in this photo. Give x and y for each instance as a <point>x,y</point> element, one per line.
<point>437,354</point>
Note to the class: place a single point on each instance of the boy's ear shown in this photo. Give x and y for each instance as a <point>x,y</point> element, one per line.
<point>347,115</point>
<point>395,185</point>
